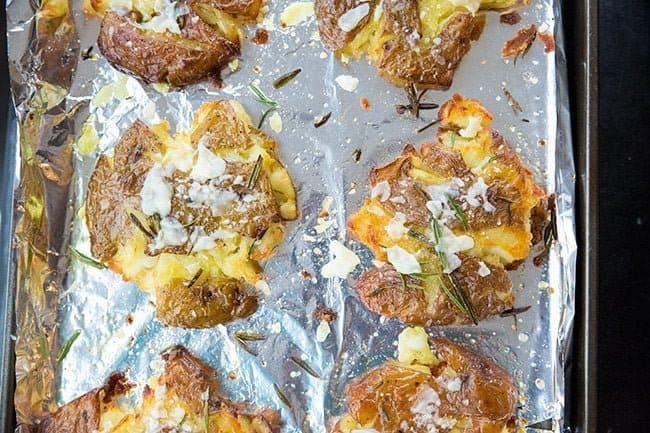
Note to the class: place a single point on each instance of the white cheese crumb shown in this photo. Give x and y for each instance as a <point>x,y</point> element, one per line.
<point>479,189</point>
<point>275,121</point>
<point>395,227</point>
<point>207,165</point>
<point>523,337</point>
<point>296,13</point>
<point>451,244</point>
<point>473,127</point>
<point>343,263</point>
<point>454,385</point>
<point>171,233</point>
<point>156,193</point>
<point>322,331</point>
<point>403,261</point>
<point>351,18</point>
<point>483,270</point>
<point>347,82</point>
<point>381,190</point>
<point>263,287</point>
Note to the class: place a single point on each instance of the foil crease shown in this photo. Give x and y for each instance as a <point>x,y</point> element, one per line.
<point>60,91</point>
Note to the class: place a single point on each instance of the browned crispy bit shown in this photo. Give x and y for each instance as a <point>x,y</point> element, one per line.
<point>365,103</point>
<point>548,40</point>
<point>520,43</point>
<point>321,312</point>
<point>511,18</point>
<point>261,37</point>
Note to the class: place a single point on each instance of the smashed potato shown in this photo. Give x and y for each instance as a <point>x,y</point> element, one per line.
<point>457,391</point>
<point>410,41</point>
<point>189,217</point>
<point>184,398</point>
<point>175,42</point>
<point>446,222</point>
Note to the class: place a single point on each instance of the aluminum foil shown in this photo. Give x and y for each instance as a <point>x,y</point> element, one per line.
<point>58,87</point>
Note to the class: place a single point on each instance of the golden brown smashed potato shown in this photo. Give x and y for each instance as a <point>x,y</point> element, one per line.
<point>447,221</point>
<point>189,217</point>
<point>175,42</point>
<point>184,398</point>
<point>452,390</point>
<point>409,41</point>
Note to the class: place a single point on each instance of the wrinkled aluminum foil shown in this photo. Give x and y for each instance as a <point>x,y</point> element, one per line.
<point>60,89</point>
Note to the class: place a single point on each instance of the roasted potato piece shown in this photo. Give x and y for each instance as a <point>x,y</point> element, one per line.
<point>455,391</point>
<point>409,41</point>
<point>176,43</point>
<point>188,217</point>
<point>448,220</point>
<point>185,397</point>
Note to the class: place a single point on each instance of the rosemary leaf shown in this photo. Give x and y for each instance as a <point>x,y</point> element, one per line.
<point>452,138</point>
<point>323,120</point>
<point>428,125</point>
<point>282,395</point>
<point>244,346</point>
<point>261,97</point>
<point>419,236</point>
<point>252,180</point>
<point>459,212</point>
<point>195,278</point>
<point>302,364</point>
<point>86,260</point>
<point>264,116</point>
<point>356,155</point>
<point>284,79</point>
<point>249,336</point>
<point>495,157</point>
<point>452,297</point>
<point>465,299</point>
<point>67,345</point>
<point>140,226</point>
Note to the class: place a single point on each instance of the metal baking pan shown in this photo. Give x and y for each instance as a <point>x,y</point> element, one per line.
<point>580,28</point>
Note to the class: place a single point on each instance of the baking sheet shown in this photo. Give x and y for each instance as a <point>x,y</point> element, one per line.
<point>56,296</point>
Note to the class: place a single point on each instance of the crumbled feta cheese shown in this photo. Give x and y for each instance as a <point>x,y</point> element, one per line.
<point>472,128</point>
<point>454,384</point>
<point>322,331</point>
<point>483,270</point>
<point>403,261</point>
<point>347,82</point>
<point>451,244</point>
<point>351,18</point>
<point>479,189</point>
<point>438,203</point>
<point>381,190</point>
<point>210,195</point>
<point>156,193</point>
<point>343,263</point>
<point>296,13</point>
<point>263,287</point>
<point>395,227</point>
<point>165,18</point>
<point>171,233</point>
<point>275,122</point>
<point>207,165</point>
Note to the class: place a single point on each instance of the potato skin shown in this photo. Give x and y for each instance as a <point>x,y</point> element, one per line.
<point>382,398</point>
<point>179,60</point>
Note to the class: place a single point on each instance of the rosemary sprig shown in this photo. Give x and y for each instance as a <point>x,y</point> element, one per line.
<point>403,108</point>
<point>141,226</point>
<point>282,395</point>
<point>252,180</point>
<point>302,364</point>
<point>414,96</point>
<point>244,346</point>
<point>195,278</point>
<point>465,299</point>
<point>263,99</point>
<point>459,212</point>
<point>67,345</point>
<point>284,79</point>
<point>452,138</point>
<point>452,297</point>
<point>428,125</point>
<point>86,260</point>
<point>323,120</point>
<point>249,336</point>
<point>437,237</point>
<point>422,276</point>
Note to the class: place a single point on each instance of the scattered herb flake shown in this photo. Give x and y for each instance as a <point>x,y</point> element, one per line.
<point>86,260</point>
<point>514,311</point>
<point>459,212</point>
<point>302,364</point>
<point>512,102</point>
<point>318,122</point>
<point>249,336</point>
<point>195,278</point>
<point>428,125</point>
<point>356,155</point>
<point>257,169</point>
<point>141,226</point>
<point>284,79</point>
<point>67,345</point>
<point>282,395</point>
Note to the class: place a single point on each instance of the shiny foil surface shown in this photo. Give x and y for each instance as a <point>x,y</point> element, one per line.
<point>60,88</point>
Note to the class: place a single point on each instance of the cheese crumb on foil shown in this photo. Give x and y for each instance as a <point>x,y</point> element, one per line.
<point>343,263</point>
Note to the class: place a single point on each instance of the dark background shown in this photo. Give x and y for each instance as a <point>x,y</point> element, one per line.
<point>624,217</point>
<point>623,369</point>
